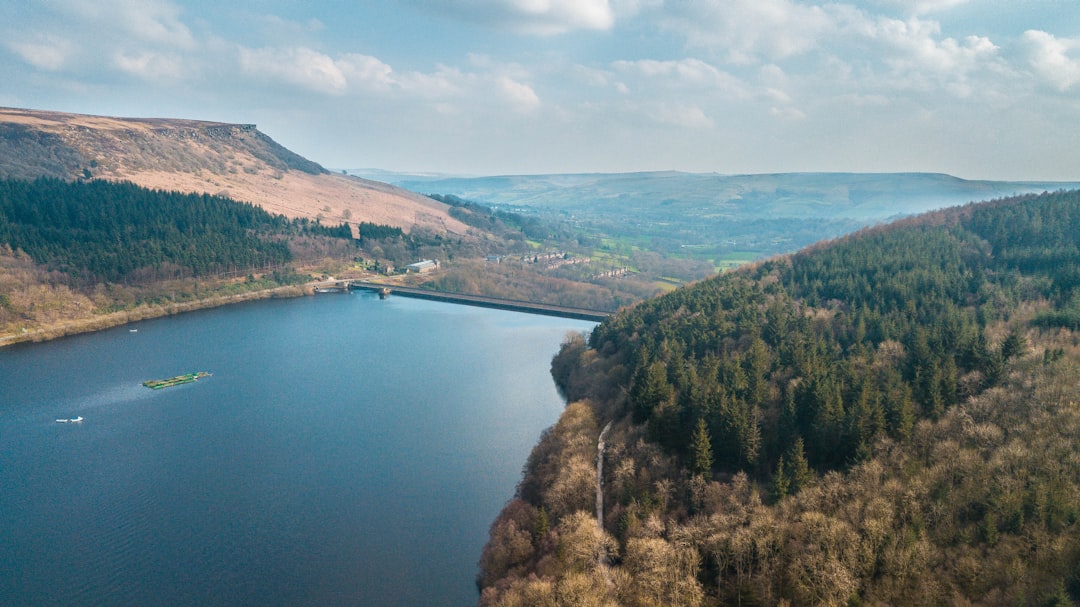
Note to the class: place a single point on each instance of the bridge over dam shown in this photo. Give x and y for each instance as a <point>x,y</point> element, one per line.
<point>484,302</point>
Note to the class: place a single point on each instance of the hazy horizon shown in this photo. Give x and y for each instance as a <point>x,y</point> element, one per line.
<point>971,88</point>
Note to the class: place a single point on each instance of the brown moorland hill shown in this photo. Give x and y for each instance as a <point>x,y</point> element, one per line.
<point>192,156</point>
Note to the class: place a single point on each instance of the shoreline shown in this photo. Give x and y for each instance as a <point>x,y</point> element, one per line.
<point>116,319</point>
<point>68,328</point>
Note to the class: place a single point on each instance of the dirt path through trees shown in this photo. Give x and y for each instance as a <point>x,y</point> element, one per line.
<point>600,476</point>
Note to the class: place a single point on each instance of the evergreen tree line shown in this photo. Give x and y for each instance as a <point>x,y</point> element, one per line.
<point>101,231</point>
<point>888,418</point>
<point>817,356</point>
<point>375,231</point>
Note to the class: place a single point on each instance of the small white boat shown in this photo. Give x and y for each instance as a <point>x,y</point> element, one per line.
<point>76,420</point>
<point>73,420</point>
<point>133,330</point>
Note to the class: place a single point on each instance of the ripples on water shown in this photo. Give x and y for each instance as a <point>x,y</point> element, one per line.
<point>346,451</point>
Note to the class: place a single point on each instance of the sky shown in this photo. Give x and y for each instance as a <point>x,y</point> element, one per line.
<point>980,89</point>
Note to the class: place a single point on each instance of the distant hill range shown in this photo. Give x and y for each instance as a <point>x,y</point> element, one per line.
<point>190,156</point>
<point>864,197</point>
<point>722,219</point>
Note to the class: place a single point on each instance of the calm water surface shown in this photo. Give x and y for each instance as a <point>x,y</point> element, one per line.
<point>346,451</point>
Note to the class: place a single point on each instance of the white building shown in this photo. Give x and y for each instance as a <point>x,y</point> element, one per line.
<point>427,265</point>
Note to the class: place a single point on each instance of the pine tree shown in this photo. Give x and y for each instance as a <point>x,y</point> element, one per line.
<point>701,450</point>
<point>1014,345</point>
<point>540,526</point>
<point>780,483</point>
<point>651,390</point>
<point>798,469</point>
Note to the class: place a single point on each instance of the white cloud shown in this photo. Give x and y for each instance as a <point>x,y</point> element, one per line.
<point>748,30</point>
<point>495,85</point>
<point>49,53</point>
<point>914,45</point>
<point>590,76</point>
<point>300,66</point>
<point>817,73</point>
<point>155,21</point>
<point>629,8</point>
<point>912,52</point>
<point>778,95</point>
<point>142,38</point>
<point>683,115</point>
<point>150,66</point>
<point>921,7</point>
<point>540,17</point>
<point>787,113</point>
<point>1055,60</point>
<point>911,55</point>
<point>487,63</point>
<point>367,72</point>
<point>446,81</point>
<point>688,72</point>
<point>364,73</point>
<point>522,96</point>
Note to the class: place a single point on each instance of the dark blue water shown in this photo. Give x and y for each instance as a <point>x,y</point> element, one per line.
<point>346,451</point>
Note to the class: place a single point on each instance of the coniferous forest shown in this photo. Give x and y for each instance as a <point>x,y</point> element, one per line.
<point>101,231</point>
<point>887,418</point>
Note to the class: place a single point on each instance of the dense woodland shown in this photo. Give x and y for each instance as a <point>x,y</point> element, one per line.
<point>101,231</point>
<point>84,255</point>
<point>888,418</point>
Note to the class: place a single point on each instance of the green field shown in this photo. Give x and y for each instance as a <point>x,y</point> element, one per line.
<point>734,259</point>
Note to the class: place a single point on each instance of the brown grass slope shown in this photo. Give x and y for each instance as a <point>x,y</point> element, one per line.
<point>234,160</point>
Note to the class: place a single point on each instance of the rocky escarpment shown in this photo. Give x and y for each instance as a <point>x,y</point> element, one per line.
<point>34,144</point>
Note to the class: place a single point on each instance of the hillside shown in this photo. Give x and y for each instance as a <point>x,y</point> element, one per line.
<point>888,418</point>
<point>66,268</point>
<point>233,160</point>
<point>84,255</point>
<point>860,196</point>
<point>723,219</point>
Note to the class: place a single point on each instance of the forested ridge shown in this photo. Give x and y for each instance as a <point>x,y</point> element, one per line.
<point>99,231</point>
<point>887,418</point>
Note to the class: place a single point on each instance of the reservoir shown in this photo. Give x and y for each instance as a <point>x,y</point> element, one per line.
<point>344,451</point>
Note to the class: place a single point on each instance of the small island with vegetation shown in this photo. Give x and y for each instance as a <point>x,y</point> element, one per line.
<point>186,378</point>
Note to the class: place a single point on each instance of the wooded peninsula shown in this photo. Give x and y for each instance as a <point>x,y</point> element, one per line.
<point>887,418</point>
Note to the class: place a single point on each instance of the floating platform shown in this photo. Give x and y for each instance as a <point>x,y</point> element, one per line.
<point>187,378</point>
